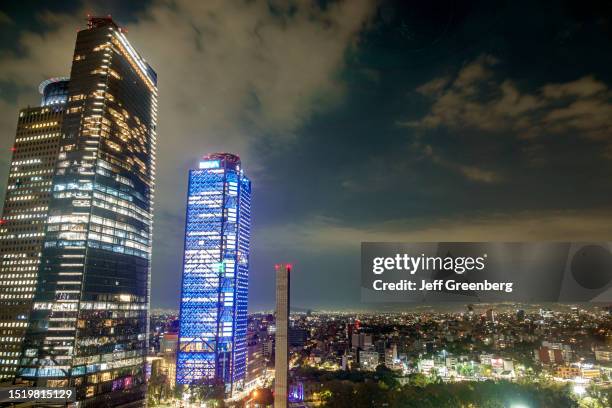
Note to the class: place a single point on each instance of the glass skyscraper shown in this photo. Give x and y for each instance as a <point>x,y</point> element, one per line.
<point>22,227</point>
<point>214,294</point>
<point>89,323</point>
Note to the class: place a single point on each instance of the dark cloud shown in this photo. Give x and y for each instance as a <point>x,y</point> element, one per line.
<point>320,234</point>
<point>478,99</point>
<point>471,172</point>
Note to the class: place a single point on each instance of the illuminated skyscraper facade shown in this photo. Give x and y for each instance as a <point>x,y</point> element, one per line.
<point>89,324</point>
<point>22,227</point>
<point>213,315</point>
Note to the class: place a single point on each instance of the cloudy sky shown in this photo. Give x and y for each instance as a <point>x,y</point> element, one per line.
<point>357,121</point>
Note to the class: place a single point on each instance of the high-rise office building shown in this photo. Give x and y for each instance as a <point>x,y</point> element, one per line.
<point>22,225</point>
<point>168,349</point>
<point>89,324</point>
<point>281,351</point>
<point>214,293</point>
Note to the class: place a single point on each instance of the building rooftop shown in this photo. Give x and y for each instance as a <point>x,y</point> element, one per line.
<point>96,22</point>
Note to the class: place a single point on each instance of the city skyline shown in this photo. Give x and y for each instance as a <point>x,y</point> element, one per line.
<point>437,173</point>
<point>381,121</point>
<point>480,355</point>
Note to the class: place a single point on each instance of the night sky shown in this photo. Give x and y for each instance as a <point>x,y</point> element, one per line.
<point>357,121</point>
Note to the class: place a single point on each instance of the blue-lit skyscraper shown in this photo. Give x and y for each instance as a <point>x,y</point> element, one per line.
<point>214,292</point>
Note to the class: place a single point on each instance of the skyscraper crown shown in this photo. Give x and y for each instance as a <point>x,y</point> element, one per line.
<point>223,160</point>
<point>97,22</point>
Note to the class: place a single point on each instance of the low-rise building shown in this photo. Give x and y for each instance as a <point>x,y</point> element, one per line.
<point>368,360</point>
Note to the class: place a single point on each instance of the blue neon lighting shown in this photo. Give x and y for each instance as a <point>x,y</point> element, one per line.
<point>210,164</point>
<point>214,292</point>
